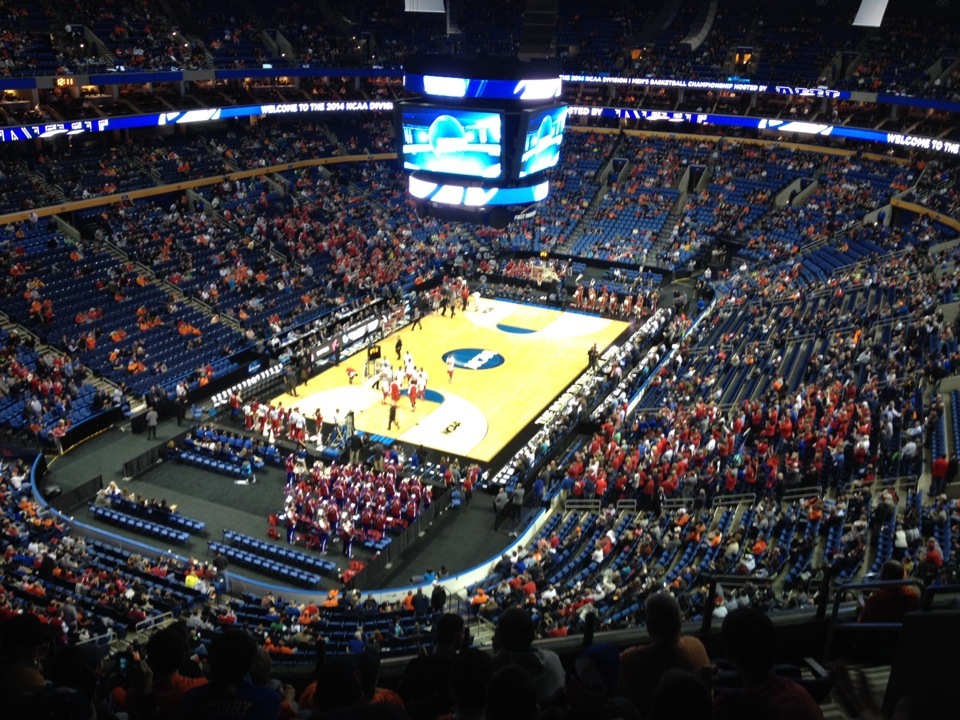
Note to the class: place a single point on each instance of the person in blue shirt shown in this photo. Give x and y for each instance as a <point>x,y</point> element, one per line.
<point>538,491</point>
<point>230,695</point>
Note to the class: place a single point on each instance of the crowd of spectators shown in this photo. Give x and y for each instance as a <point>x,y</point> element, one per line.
<point>137,35</point>
<point>785,46</point>
<point>793,380</point>
<point>823,428</point>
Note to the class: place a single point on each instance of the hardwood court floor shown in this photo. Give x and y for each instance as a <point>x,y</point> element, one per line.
<point>512,361</point>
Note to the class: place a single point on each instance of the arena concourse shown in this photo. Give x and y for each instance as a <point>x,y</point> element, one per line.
<point>681,440</point>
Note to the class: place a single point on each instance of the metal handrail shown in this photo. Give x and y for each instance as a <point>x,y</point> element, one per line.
<point>840,591</point>
<point>735,580</point>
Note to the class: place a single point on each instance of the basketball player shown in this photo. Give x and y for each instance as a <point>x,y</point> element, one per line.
<point>276,420</point>
<point>451,364</point>
<point>386,378</point>
<point>412,392</point>
<point>262,411</point>
<point>395,388</point>
<point>298,424</point>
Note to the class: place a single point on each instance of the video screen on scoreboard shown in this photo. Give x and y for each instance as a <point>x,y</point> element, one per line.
<point>541,135</point>
<point>451,140</point>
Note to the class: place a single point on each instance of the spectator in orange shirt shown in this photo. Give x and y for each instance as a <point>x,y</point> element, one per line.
<point>480,599</point>
<point>185,328</point>
<point>167,650</point>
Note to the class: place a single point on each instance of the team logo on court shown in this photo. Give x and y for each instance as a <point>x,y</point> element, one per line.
<point>475,358</point>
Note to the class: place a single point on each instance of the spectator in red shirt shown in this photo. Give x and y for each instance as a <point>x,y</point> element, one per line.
<point>890,604</point>
<point>751,641</point>
<point>938,475</point>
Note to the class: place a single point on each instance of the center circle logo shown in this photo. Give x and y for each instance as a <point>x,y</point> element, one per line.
<point>475,358</point>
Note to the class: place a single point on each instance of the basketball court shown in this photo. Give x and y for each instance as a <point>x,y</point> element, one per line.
<point>511,361</point>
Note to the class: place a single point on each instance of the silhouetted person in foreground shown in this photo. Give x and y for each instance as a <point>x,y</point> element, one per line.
<point>751,642</point>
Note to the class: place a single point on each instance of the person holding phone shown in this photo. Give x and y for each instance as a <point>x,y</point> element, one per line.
<point>167,651</point>
<point>230,695</point>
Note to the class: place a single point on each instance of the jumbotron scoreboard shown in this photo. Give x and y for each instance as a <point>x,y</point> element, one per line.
<point>480,136</point>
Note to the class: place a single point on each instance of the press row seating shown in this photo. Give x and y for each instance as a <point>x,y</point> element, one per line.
<point>212,464</point>
<point>379,439</point>
<point>170,519</point>
<point>295,557</point>
<point>266,566</point>
<point>240,442</point>
<point>145,527</point>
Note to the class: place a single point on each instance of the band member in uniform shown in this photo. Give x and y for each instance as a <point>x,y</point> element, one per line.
<point>291,523</point>
<point>347,535</point>
<point>322,526</point>
<point>333,517</point>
